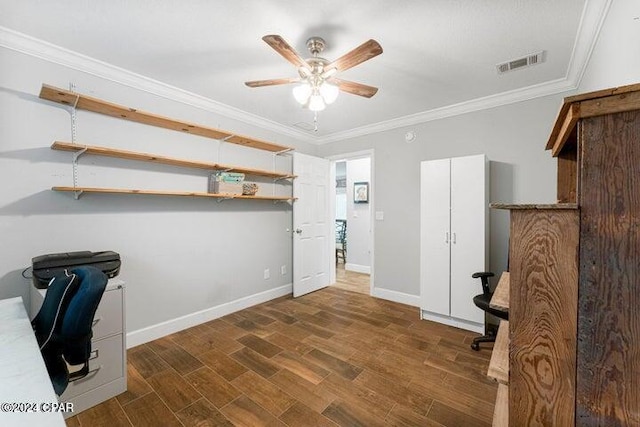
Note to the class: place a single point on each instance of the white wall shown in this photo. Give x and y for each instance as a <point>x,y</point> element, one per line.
<point>513,137</point>
<point>615,60</point>
<point>179,255</point>
<point>358,218</point>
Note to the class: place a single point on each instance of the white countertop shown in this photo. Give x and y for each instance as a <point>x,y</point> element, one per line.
<point>23,375</point>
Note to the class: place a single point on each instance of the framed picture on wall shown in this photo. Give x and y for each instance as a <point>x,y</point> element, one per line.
<point>360,192</point>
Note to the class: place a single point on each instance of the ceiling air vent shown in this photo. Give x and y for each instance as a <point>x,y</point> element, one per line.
<point>304,126</point>
<point>525,61</point>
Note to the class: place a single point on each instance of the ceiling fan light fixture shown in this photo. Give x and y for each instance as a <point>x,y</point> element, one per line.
<point>329,92</point>
<point>302,93</point>
<point>316,103</point>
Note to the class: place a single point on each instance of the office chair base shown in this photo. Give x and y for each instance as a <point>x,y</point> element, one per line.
<point>490,337</point>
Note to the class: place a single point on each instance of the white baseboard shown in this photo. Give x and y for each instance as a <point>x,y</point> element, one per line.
<point>452,321</point>
<point>358,268</point>
<point>395,296</point>
<point>165,328</point>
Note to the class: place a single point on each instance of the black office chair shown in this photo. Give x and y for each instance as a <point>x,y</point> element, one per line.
<point>341,240</point>
<point>63,324</point>
<point>482,302</point>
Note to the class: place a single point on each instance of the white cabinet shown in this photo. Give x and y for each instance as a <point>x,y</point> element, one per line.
<point>454,201</point>
<point>108,364</point>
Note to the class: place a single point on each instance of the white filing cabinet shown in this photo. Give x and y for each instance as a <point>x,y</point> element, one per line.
<point>454,230</point>
<point>108,364</point>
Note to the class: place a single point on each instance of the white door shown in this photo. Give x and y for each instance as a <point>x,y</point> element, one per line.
<point>312,231</point>
<point>468,205</point>
<point>434,235</point>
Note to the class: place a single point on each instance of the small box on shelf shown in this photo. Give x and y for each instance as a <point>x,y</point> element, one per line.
<point>221,187</point>
<point>226,183</point>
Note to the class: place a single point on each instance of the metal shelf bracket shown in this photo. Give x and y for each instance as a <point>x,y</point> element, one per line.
<point>278,153</point>
<point>77,154</point>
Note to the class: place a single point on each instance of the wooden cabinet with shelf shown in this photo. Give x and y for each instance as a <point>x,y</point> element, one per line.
<point>574,273</point>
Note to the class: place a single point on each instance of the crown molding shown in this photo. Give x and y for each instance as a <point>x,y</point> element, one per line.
<point>32,46</point>
<point>591,22</point>
<point>497,100</point>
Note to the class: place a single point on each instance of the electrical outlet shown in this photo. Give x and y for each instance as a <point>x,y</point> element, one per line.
<point>283,269</point>
<point>267,274</point>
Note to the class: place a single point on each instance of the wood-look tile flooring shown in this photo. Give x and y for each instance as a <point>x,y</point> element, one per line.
<point>329,358</point>
<point>352,281</point>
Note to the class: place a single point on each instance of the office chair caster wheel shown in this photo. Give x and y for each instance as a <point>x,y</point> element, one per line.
<point>475,346</point>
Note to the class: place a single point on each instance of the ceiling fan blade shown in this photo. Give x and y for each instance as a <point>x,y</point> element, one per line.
<point>271,82</point>
<point>354,88</point>
<point>283,48</point>
<point>364,52</point>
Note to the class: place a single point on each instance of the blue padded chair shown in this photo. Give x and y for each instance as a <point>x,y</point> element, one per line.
<point>63,324</point>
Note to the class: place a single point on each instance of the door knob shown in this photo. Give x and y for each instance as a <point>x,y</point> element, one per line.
<point>298,231</point>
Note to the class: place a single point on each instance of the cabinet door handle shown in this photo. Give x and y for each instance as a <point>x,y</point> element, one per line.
<point>454,238</point>
<point>446,237</point>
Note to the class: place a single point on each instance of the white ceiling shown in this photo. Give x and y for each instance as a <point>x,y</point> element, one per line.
<point>437,53</point>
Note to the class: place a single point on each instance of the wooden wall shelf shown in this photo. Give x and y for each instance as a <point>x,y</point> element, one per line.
<point>80,190</point>
<point>146,157</point>
<point>96,105</point>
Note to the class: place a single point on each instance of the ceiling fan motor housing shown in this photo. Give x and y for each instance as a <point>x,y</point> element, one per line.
<point>316,45</point>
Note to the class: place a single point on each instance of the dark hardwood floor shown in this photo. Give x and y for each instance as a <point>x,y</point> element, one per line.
<point>333,357</point>
<point>352,281</point>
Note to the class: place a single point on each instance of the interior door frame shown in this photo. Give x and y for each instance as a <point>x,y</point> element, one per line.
<point>332,206</point>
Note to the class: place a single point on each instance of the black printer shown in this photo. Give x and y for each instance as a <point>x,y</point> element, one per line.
<point>47,266</point>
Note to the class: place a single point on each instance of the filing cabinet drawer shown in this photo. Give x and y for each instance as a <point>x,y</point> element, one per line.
<point>107,364</point>
<point>108,318</point>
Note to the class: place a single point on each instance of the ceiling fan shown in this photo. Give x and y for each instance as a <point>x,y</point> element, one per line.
<point>318,84</point>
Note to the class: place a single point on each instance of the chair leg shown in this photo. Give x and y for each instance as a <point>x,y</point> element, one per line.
<point>475,345</point>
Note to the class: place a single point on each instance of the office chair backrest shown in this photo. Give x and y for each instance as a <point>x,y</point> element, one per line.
<point>63,324</point>
<point>48,321</point>
<point>484,279</point>
<point>76,326</point>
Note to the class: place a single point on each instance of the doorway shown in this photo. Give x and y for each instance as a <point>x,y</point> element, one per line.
<point>352,207</point>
